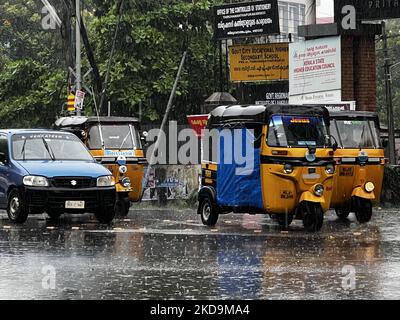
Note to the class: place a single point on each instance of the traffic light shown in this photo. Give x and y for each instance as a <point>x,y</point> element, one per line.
<point>71,102</point>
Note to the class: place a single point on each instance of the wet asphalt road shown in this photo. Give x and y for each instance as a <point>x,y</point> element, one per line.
<point>170,255</point>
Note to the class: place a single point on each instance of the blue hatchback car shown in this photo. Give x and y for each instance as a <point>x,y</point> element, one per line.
<point>53,172</point>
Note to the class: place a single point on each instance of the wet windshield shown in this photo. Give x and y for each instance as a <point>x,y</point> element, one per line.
<point>289,131</point>
<point>356,134</point>
<point>116,137</point>
<point>49,147</point>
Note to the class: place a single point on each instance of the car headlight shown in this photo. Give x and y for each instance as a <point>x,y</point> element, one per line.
<point>319,190</point>
<point>369,187</point>
<point>123,169</point>
<point>106,181</point>
<point>330,169</point>
<point>288,169</point>
<point>35,181</point>
<point>126,182</point>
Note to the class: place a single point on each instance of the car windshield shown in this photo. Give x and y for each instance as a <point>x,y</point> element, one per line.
<point>355,134</point>
<point>49,147</point>
<point>116,137</point>
<point>297,131</point>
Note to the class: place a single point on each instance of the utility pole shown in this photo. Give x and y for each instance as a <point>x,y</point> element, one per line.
<point>389,99</point>
<point>78,61</point>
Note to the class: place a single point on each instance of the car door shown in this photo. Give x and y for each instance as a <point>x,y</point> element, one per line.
<point>4,169</point>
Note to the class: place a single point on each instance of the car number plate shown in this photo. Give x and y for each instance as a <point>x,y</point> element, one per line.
<point>75,205</point>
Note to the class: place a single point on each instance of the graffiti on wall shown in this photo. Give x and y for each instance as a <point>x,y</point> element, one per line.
<point>172,183</point>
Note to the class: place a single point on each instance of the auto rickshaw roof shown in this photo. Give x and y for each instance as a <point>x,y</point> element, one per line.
<point>69,122</point>
<point>260,114</point>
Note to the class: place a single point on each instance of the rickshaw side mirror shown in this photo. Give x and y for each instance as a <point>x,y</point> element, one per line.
<point>335,146</point>
<point>143,138</point>
<point>385,143</point>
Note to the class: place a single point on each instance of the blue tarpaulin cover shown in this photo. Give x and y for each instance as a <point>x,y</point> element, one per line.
<point>239,190</point>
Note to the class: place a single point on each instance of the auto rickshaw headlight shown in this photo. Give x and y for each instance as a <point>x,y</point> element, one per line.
<point>123,169</point>
<point>330,169</point>
<point>126,182</point>
<point>319,190</point>
<point>369,187</point>
<point>121,160</point>
<point>288,169</point>
<point>106,181</point>
<point>35,181</point>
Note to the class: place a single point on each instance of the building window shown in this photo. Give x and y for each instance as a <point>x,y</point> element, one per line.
<point>291,16</point>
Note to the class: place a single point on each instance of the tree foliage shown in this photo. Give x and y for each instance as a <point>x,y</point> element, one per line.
<point>150,43</point>
<point>393,31</point>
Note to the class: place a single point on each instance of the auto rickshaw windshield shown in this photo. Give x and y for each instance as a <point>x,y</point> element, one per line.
<point>355,134</point>
<point>115,137</point>
<point>297,131</point>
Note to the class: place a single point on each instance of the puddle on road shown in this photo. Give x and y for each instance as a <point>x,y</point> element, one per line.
<point>244,257</point>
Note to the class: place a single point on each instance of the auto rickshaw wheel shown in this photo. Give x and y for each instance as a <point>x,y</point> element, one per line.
<point>122,207</point>
<point>16,210</point>
<point>363,210</point>
<point>284,220</point>
<point>342,213</point>
<point>313,216</point>
<point>208,212</point>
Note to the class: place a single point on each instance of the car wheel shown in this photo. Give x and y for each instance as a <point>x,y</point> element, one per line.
<point>342,213</point>
<point>16,209</point>
<point>313,216</point>
<point>122,207</point>
<point>208,212</point>
<point>54,214</point>
<point>105,215</point>
<point>363,210</point>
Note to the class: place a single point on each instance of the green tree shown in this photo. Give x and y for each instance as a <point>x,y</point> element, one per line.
<point>32,82</point>
<point>393,30</point>
<point>151,41</point>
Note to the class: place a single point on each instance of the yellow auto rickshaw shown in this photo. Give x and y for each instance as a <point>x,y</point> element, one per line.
<point>114,142</point>
<point>292,169</point>
<point>361,163</point>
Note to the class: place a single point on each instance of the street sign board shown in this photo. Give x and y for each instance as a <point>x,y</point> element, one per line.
<point>271,93</point>
<point>315,67</point>
<point>369,9</point>
<point>246,19</point>
<point>259,62</point>
<point>198,123</point>
<point>79,99</point>
<point>340,106</point>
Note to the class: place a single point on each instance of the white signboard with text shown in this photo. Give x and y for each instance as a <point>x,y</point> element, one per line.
<point>315,70</point>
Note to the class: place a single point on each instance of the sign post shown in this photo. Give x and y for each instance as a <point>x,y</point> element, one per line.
<point>315,72</point>
<point>259,62</point>
<point>245,20</point>
<point>367,9</point>
<point>79,100</point>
